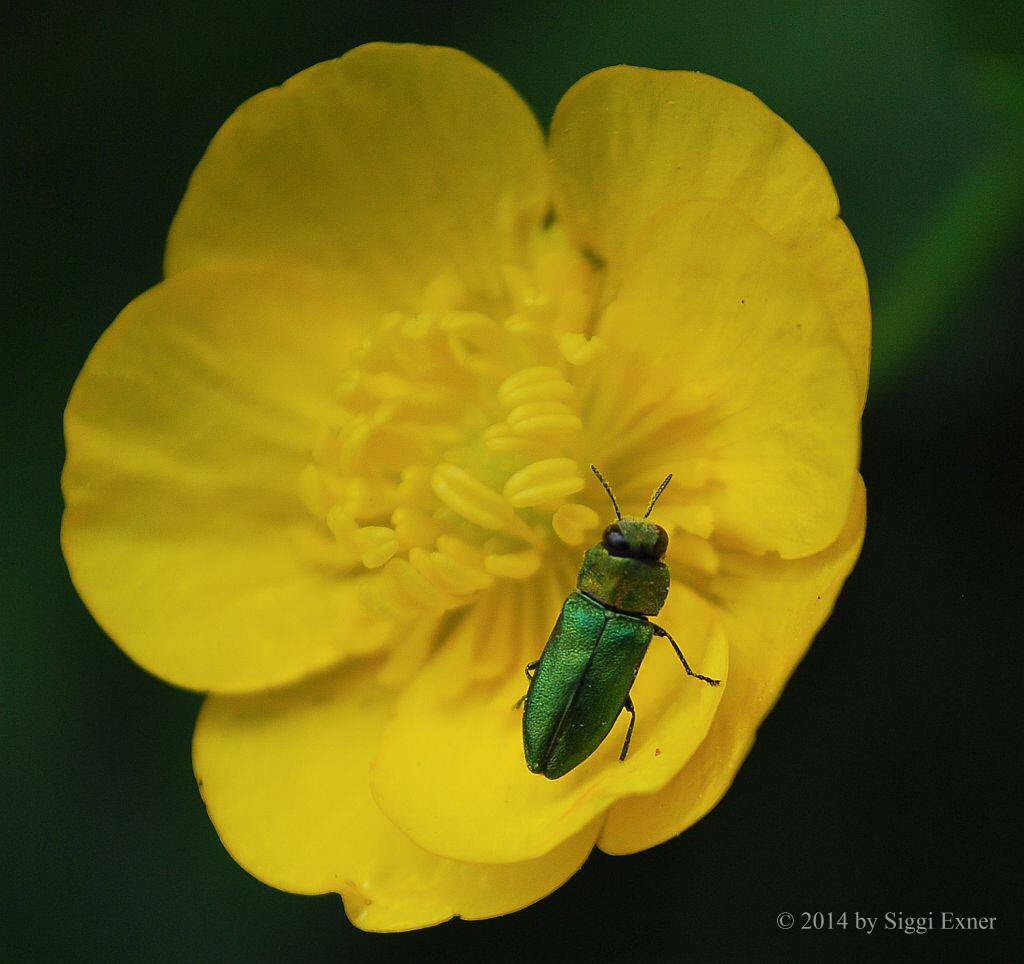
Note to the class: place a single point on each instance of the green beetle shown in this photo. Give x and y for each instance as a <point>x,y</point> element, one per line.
<point>581,682</point>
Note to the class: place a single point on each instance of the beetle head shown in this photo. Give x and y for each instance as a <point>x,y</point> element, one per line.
<point>635,539</point>
<point>631,537</point>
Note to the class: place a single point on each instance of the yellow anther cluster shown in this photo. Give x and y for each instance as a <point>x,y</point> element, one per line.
<point>457,445</point>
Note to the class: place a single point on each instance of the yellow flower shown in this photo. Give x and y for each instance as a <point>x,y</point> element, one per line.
<point>332,470</point>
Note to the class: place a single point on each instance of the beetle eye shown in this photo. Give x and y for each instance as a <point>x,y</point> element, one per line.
<point>614,541</point>
<point>661,544</point>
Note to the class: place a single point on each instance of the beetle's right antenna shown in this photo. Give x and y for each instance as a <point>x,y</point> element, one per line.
<point>657,495</point>
<point>608,489</point>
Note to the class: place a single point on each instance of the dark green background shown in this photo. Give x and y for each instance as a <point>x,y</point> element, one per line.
<point>885,778</point>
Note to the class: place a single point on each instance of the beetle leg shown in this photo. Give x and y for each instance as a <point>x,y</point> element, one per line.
<point>529,675</point>
<point>631,710</point>
<point>658,631</point>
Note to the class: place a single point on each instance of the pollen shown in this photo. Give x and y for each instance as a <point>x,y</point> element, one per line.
<point>457,446</point>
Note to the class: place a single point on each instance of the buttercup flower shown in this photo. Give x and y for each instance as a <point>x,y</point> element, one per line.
<point>333,469</point>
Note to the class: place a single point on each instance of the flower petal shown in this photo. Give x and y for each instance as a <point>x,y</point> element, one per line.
<point>187,432</point>
<point>451,771</point>
<point>285,776</point>
<point>772,609</point>
<point>627,141</point>
<point>401,164</point>
<point>778,416</point>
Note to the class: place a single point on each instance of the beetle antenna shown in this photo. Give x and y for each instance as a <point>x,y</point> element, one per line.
<point>608,489</point>
<point>654,498</point>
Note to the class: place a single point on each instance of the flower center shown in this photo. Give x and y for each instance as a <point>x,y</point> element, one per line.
<point>456,452</point>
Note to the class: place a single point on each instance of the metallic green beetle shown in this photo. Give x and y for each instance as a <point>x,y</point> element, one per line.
<point>581,682</point>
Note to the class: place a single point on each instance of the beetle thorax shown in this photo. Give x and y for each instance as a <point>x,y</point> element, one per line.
<point>627,584</point>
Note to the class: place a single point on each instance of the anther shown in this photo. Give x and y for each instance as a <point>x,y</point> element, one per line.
<point>470,498</point>
<point>543,482</point>
<point>518,388</point>
<point>543,418</point>
<point>699,554</point>
<point>448,573</point>
<point>513,565</point>
<point>579,350</point>
<point>377,545</point>
<point>572,521</point>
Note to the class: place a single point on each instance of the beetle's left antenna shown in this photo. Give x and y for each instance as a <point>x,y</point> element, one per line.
<point>654,498</point>
<point>608,489</point>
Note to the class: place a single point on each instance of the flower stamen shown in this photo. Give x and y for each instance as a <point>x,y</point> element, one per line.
<point>457,441</point>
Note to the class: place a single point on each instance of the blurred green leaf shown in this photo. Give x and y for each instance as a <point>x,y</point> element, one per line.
<point>957,247</point>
